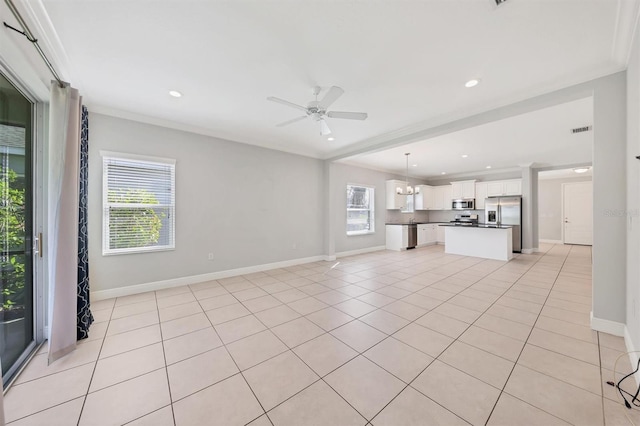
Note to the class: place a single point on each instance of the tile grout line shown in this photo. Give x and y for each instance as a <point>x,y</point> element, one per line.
<point>264,412</point>
<point>454,340</point>
<point>166,367</point>
<point>95,367</point>
<point>525,344</point>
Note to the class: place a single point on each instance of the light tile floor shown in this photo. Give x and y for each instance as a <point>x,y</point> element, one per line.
<point>387,338</point>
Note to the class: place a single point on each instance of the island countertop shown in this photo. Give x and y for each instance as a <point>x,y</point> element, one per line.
<point>413,223</point>
<point>479,225</point>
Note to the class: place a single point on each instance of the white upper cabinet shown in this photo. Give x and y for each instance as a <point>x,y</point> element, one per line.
<point>504,187</point>
<point>423,197</point>
<point>396,201</point>
<point>463,189</point>
<point>513,187</point>
<point>481,194</point>
<point>442,196</point>
<point>447,196</point>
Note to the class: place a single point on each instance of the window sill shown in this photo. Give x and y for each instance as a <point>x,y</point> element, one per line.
<point>118,252</point>
<point>355,234</point>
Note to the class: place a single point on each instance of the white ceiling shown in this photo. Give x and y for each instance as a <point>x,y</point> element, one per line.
<point>542,137</point>
<point>404,63</point>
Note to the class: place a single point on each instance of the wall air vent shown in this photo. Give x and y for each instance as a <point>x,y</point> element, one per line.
<point>582,129</point>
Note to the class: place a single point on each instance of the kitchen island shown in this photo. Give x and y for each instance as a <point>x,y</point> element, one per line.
<point>486,241</point>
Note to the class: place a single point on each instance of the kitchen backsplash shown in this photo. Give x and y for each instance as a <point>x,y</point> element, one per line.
<point>395,216</point>
<point>449,215</point>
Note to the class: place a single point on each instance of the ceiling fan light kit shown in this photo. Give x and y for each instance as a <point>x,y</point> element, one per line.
<point>317,110</point>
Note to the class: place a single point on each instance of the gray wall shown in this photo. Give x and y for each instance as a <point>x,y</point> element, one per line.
<point>550,206</point>
<point>632,212</point>
<point>609,190</point>
<point>246,205</point>
<point>341,176</point>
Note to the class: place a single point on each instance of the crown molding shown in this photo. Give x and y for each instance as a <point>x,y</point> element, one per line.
<point>627,17</point>
<point>36,15</point>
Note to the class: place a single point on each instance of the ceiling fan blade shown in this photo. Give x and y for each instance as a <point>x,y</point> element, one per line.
<point>347,115</point>
<point>286,123</point>
<point>287,103</point>
<point>332,95</point>
<point>324,128</point>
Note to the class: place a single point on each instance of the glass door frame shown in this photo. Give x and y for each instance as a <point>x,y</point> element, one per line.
<point>39,169</point>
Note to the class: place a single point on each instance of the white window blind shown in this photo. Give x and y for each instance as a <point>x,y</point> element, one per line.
<point>139,205</point>
<point>360,210</point>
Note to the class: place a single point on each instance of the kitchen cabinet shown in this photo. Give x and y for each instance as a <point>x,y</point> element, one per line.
<point>504,187</point>
<point>481,194</point>
<point>427,234</point>
<point>432,234</point>
<point>440,234</point>
<point>463,189</point>
<point>442,197</point>
<point>397,237</point>
<point>513,187</point>
<point>423,197</point>
<point>396,201</point>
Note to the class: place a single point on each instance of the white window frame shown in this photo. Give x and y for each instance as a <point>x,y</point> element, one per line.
<point>371,209</point>
<point>141,159</point>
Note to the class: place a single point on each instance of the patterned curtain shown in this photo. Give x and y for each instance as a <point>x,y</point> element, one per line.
<point>84,313</point>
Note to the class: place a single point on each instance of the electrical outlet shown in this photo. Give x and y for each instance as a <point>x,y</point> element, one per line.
<point>210,256</point>
<point>294,246</point>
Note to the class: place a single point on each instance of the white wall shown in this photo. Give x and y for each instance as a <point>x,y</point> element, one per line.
<point>550,206</point>
<point>246,205</point>
<point>632,212</point>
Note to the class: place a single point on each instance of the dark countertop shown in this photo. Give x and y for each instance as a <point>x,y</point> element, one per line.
<point>414,223</point>
<point>480,225</point>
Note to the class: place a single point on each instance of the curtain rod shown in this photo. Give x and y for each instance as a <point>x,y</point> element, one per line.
<point>29,35</point>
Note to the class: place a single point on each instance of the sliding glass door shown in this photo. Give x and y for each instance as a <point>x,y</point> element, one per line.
<point>16,228</point>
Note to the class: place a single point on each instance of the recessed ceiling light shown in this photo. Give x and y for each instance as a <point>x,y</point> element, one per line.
<point>414,165</point>
<point>488,167</point>
<point>331,138</point>
<point>175,93</point>
<point>581,169</point>
<point>443,173</point>
<point>464,155</point>
<point>472,83</point>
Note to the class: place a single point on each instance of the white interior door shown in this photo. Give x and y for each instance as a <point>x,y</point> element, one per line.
<point>577,205</point>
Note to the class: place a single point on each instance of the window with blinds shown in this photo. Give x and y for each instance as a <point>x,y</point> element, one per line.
<point>360,210</point>
<point>138,205</point>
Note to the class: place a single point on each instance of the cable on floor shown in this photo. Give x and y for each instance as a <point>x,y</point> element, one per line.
<point>634,397</point>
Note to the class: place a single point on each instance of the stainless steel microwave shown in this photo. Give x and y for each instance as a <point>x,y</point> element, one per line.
<point>463,204</point>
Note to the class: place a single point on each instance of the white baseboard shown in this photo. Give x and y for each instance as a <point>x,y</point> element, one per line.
<point>633,354</point>
<point>360,251</point>
<point>528,251</point>
<point>551,241</point>
<point>607,326</point>
<point>193,279</point>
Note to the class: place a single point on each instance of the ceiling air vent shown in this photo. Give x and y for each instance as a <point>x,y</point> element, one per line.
<point>581,129</point>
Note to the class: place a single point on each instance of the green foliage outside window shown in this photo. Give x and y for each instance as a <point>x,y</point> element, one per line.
<point>12,240</point>
<point>133,226</point>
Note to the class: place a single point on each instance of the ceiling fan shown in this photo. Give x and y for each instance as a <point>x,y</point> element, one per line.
<point>317,110</point>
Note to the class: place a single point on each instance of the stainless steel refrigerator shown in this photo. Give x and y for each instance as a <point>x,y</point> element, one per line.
<point>506,211</point>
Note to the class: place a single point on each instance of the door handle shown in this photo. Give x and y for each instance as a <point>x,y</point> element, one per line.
<point>37,246</point>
